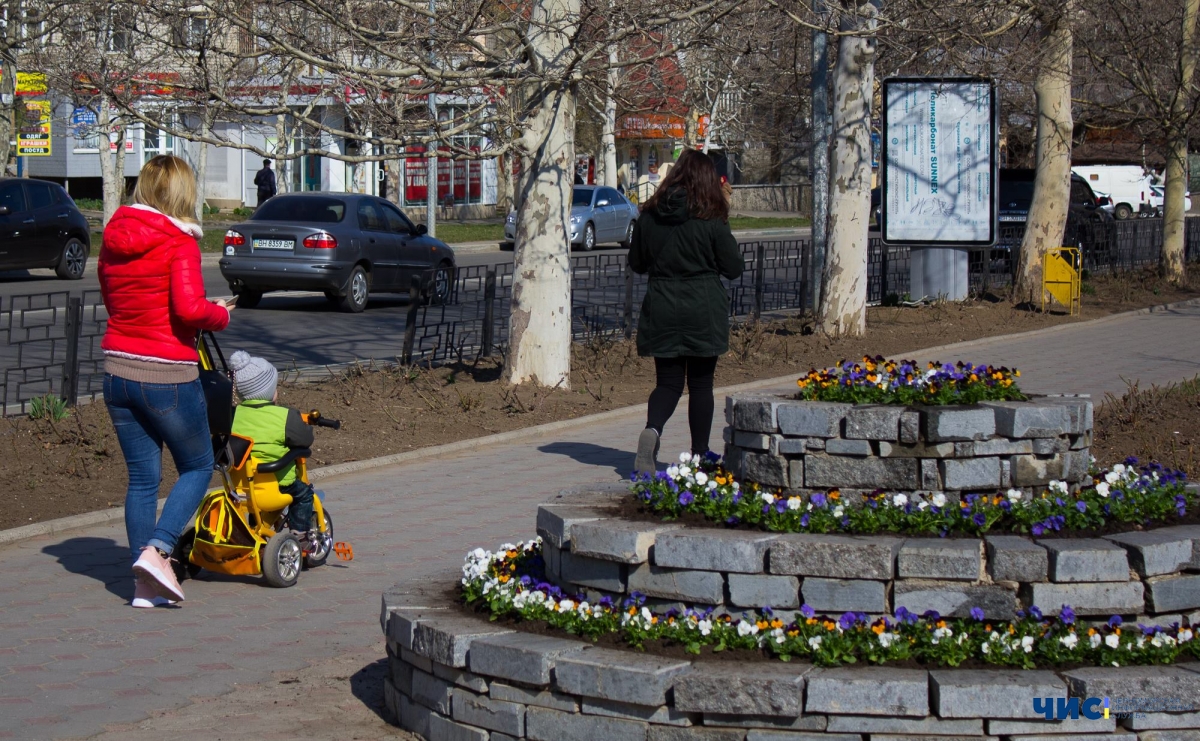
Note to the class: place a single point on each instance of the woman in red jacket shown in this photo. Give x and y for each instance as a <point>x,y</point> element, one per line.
<point>153,289</point>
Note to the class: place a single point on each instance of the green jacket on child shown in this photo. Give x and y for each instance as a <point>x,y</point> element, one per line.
<point>274,429</point>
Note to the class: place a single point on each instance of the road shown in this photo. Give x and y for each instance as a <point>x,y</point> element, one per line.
<point>302,329</point>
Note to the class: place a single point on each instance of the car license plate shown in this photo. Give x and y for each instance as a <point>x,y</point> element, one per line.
<point>1012,218</point>
<point>274,244</point>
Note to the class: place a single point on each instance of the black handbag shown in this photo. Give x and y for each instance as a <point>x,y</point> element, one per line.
<point>217,386</point>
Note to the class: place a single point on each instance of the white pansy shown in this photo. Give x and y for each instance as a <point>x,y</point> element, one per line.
<point>1069,641</point>
<point>941,633</point>
<point>1112,640</point>
<point>701,478</point>
<point>1014,495</point>
<point>1027,644</point>
<point>1095,640</point>
<point>736,486</point>
<point>684,471</point>
<point>1058,487</point>
<point>900,500</point>
<point>1185,635</point>
<point>922,506</point>
<point>767,497</point>
<point>673,471</point>
<point>815,642</point>
<point>566,605</point>
<point>777,634</point>
<point>1102,489</point>
<point>745,629</point>
<point>838,511</point>
<point>646,614</point>
<point>704,626</point>
<point>886,639</point>
<point>711,485</point>
<point>939,500</point>
<point>685,457</point>
<point>794,503</point>
<point>986,648</point>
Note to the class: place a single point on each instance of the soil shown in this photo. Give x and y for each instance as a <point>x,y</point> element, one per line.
<point>1158,423</point>
<point>74,465</point>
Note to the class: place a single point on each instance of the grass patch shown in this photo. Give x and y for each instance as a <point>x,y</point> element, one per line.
<point>452,232</point>
<point>766,222</point>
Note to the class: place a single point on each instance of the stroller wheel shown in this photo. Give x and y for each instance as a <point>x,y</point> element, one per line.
<point>281,559</point>
<point>323,546</point>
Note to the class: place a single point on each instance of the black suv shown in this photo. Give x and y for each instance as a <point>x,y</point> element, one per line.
<point>40,227</point>
<point>1085,219</point>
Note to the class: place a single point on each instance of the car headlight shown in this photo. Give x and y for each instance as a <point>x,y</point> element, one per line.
<point>575,218</point>
<point>511,219</point>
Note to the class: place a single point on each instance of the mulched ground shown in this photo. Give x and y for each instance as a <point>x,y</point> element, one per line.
<point>74,465</point>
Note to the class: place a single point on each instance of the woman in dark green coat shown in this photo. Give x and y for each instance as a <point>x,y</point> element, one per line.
<point>683,242</point>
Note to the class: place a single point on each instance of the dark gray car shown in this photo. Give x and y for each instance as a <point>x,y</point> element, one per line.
<point>343,244</point>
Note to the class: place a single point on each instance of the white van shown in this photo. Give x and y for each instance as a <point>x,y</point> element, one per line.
<point>1127,185</point>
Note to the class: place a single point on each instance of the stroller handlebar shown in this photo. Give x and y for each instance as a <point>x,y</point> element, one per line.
<point>314,418</point>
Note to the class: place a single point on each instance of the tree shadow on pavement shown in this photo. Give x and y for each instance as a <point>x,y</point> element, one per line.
<point>591,454</point>
<point>102,559</point>
<point>366,684</point>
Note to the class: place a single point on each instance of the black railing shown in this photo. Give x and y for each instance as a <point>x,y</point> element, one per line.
<point>50,342</point>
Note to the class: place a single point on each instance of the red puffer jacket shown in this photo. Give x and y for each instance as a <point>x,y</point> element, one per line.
<point>152,287</point>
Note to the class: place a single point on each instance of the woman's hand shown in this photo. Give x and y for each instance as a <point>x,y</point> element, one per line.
<point>229,303</point>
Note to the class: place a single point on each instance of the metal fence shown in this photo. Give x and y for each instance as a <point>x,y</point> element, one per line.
<point>50,342</point>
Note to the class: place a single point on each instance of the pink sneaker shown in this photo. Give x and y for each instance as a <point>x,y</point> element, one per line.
<point>144,596</point>
<point>156,573</point>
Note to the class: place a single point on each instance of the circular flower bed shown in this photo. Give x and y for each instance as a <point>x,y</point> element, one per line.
<point>881,381</point>
<point>1126,494</point>
<point>510,583</point>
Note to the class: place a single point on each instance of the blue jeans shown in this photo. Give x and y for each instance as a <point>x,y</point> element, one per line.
<point>301,512</point>
<point>147,415</point>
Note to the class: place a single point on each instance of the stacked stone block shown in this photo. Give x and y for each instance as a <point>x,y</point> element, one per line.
<point>453,676</point>
<point>1151,574</point>
<point>803,446</point>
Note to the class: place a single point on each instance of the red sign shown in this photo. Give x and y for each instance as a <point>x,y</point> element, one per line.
<point>416,182</point>
<point>651,126</point>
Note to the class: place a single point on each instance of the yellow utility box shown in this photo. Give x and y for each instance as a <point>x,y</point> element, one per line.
<point>1060,278</point>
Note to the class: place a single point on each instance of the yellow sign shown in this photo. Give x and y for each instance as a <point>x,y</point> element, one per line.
<point>1060,278</point>
<point>31,83</point>
<point>33,139</point>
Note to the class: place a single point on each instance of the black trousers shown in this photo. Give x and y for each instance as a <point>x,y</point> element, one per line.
<point>671,374</point>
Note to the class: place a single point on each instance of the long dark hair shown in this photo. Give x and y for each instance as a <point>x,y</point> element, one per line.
<point>696,174</point>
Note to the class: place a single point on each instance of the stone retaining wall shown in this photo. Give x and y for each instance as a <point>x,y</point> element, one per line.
<point>1152,575</point>
<point>461,678</point>
<point>783,442</point>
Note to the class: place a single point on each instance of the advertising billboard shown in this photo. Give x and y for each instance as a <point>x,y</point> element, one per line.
<point>33,138</point>
<point>939,162</point>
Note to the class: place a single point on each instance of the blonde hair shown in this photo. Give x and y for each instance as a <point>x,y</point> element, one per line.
<point>168,184</point>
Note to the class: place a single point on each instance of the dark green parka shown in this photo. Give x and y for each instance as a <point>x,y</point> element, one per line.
<point>686,309</point>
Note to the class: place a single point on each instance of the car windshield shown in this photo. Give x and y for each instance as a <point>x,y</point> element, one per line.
<point>305,209</point>
<point>1019,192</point>
<point>581,197</point>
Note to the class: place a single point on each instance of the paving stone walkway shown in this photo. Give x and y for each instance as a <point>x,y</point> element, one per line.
<point>75,659</point>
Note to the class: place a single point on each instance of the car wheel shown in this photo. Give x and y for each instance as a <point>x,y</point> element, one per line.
<point>628,243</point>
<point>438,290</point>
<point>358,289</point>
<point>73,260</point>
<point>248,298</point>
<point>589,237</point>
<point>1123,211</point>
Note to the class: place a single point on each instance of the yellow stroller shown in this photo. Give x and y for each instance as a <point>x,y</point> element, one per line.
<point>241,528</point>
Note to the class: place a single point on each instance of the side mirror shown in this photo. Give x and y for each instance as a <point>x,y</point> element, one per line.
<point>5,211</point>
<point>421,229</point>
<point>601,203</point>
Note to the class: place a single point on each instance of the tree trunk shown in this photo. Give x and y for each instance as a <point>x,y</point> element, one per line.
<point>202,166</point>
<point>1173,257</point>
<point>1052,183</point>
<point>540,323</point>
<point>608,127</point>
<point>391,168</point>
<point>843,309</point>
<point>112,167</point>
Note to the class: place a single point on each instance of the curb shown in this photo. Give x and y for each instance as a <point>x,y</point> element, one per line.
<point>88,519</point>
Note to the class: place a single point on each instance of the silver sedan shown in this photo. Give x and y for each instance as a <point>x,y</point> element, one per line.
<point>599,215</point>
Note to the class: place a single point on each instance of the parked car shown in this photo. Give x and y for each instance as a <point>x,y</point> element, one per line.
<point>1158,195</point>
<point>1086,219</point>
<point>1127,186</point>
<point>344,244</point>
<point>598,215</point>
<point>40,227</point>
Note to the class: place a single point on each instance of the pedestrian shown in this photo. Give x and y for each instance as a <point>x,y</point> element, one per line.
<point>683,242</point>
<point>264,180</point>
<point>153,289</point>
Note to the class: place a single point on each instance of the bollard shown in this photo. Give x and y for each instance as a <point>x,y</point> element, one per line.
<point>410,322</point>
<point>74,327</point>
<point>489,313</point>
